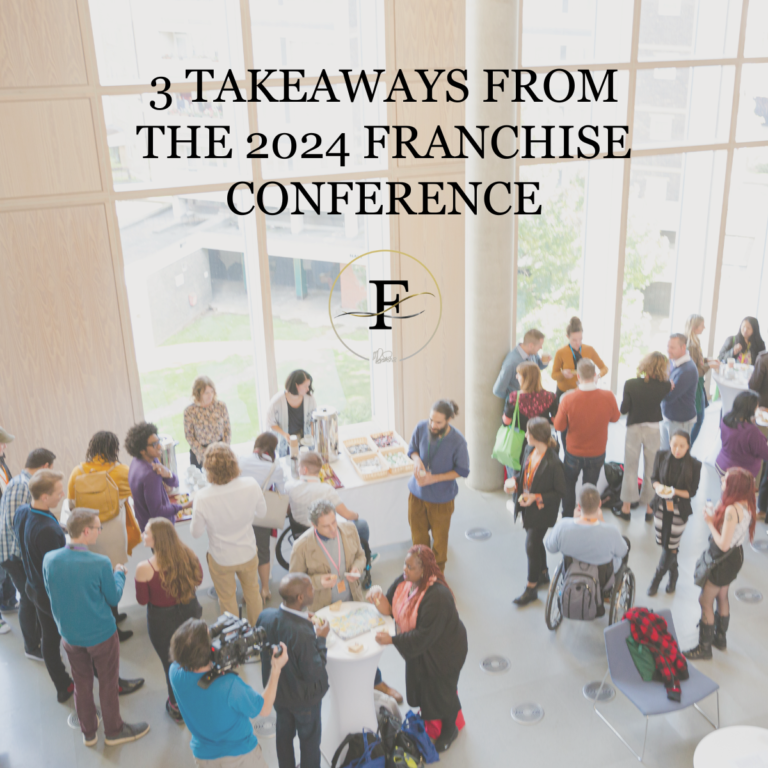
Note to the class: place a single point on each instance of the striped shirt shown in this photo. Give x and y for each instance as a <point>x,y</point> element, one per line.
<point>16,494</point>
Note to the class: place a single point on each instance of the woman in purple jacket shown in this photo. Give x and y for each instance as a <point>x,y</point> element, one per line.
<point>744,445</point>
<point>147,476</point>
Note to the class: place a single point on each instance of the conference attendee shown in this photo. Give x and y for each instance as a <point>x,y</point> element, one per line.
<point>539,487</point>
<point>642,404</point>
<point>733,520</point>
<point>147,476</point>
<point>677,470</point>
<point>290,411</point>
<point>585,537</point>
<point>166,584</point>
<point>585,414</point>
<point>530,400</point>
<point>758,382</point>
<point>430,637</point>
<point>38,532</point>
<point>746,345</point>
<point>304,681</point>
<point>8,601</point>
<point>743,444</point>
<point>206,420</point>
<point>227,509</point>
<point>564,366</point>
<point>308,488</point>
<point>5,473</point>
<point>17,494</point>
<point>527,351</point>
<point>694,327</point>
<point>679,407</point>
<point>219,715</point>
<point>83,588</point>
<point>331,554</point>
<point>263,467</point>
<point>102,468</point>
<point>440,455</point>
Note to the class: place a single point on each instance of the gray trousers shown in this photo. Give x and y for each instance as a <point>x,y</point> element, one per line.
<point>646,438</point>
<point>668,428</point>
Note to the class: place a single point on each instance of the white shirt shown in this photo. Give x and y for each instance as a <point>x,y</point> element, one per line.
<point>680,360</point>
<point>300,614</point>
<point>259,468</point>
<point>304,492</point>
<point>227,513</point>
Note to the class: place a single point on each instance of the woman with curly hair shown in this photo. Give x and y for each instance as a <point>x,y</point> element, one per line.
<point>642,404</point>
<point>430,637</point>
<point>227,510</point>
<point>733,520</point>
<point>206,420</point>
<point>166,585</point>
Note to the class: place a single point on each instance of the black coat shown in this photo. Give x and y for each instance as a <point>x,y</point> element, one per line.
<point>549,481</point>
<point>434,653</point>
<point>689,479</point>
<point>304,680</point>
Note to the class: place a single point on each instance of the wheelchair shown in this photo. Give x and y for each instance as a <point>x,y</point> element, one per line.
<point>285,543</point>
<point>622,594</point>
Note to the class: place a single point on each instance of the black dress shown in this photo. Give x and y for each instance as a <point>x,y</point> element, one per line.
<point>434,653</point>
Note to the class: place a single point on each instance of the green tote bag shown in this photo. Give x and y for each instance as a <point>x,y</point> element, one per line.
<point>509,441</point>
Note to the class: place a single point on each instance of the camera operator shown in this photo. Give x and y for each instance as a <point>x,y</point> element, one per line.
<point>218,716</point>
<point>305,682</point>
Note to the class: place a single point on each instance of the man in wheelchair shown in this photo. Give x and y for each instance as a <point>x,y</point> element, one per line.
<point>587,539</point>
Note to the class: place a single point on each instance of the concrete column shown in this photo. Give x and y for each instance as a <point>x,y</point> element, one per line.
<point>492,43</point>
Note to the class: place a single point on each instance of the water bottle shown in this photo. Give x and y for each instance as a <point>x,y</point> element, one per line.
<point>709,508</point>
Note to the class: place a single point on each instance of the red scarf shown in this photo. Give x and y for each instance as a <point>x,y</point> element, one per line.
<point>405,606</point>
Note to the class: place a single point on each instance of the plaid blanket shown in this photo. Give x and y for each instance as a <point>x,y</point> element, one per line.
<point>650,629</point>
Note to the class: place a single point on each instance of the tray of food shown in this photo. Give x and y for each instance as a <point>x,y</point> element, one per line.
<point>665,492</point>
<point>387,440</point>
<point>370,467</point>
<point>327,475</point>
<point>396,459</point>
<point>359,446</point>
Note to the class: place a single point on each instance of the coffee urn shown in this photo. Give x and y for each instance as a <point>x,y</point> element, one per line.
<point>325,432</point>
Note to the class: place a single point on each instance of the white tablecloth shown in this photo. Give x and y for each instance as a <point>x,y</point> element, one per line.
<point>729,388</point>
<point>348,706</point>
<point>739,746</point>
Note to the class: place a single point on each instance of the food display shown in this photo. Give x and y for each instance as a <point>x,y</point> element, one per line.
<point>327,475</point>
<point>385,440</point>
<point>356,450</point>
<point>397,459</point>
<point>357,622</point>
<point>369,465</point>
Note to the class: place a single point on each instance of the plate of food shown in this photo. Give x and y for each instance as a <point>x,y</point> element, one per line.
<point>761,418</point>
<point>665,492</point>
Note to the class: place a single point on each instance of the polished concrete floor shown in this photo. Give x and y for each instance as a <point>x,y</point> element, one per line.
<point>547,668</point>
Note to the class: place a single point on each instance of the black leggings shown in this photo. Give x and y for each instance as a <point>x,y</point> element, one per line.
<point>537,555</point>
<point>162,623</point>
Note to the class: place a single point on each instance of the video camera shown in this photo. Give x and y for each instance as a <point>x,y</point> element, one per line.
<point>234,642</point>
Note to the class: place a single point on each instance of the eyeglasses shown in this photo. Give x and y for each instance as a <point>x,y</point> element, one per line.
<point>153,443</point>
<point>97,529</point>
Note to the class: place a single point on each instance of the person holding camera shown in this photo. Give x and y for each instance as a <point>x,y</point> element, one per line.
<point>218,716</point>
<point>300,694</point>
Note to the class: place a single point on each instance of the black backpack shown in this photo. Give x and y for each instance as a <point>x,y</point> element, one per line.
<point>355,747</point>
<point>389,725</point>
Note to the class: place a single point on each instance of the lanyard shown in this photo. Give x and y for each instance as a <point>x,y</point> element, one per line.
<point>429,450</point>
<point>530,471</point>
<point>338,541</point>
<point>43,513</point>
<point>573,355</point>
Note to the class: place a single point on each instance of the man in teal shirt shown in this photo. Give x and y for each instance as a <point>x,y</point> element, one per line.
<point>82,588</point>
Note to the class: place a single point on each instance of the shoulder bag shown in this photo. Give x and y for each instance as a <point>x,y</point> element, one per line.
<point>277,504</point>
<point>707,563</point>
<point>509,440</point>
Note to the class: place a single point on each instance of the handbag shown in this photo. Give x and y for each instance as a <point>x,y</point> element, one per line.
<point>706,564</point>
<point>277,506</point>
<point>509,441</point>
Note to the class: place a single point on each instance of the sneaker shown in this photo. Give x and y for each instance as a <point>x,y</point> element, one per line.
<point>173,711</point>
<point>9,607</point>
<point>374,555</point>
<point>90,742</point>
<point>129,732</point>
<point>36,654</point>
<point>124,687</point>
<point>66,694</point>
<point>4,627</point>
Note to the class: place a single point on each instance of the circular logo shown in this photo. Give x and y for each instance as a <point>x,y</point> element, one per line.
<point>405,305</point>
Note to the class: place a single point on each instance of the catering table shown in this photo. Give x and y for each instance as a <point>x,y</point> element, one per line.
<point>739,746</point>
<point>729,388</point>
<point>348,706</point>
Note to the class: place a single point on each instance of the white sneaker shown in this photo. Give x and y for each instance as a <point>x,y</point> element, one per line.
<point>4,627</point>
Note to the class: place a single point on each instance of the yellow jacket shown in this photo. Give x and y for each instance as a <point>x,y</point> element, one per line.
<point>564,359</point>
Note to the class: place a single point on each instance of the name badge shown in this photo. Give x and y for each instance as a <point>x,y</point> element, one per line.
<point>342,587</point>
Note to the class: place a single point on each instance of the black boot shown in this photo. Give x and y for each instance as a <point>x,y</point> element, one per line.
<point>543,578</point>
<point>657,577</point>
<point>528,596</point>
<point>448,734</point>
<point>721,627</point>
<point>673,572</point>
<point>704,649</point>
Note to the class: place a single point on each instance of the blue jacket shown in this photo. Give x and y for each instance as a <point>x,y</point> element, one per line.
<point>507,381</point>
<point>680,403</point>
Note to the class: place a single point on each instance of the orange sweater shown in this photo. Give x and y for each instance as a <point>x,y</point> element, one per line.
<point>586,416</point>
<point>564,359</point>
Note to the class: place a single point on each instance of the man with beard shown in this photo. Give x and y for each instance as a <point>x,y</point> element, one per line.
<point>440,455</point>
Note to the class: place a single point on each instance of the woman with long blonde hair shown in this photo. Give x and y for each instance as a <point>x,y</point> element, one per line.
<point>166,584</point>
<point>694,327</point>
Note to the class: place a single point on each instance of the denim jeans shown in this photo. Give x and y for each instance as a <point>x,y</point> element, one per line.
<point>7,588</point>
<point>573,466</point>
<point>30,626</point>
<point>305,723</point>
<point>668,428</point>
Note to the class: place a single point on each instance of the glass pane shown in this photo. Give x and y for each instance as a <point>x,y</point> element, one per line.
<point>576,31</point>
<point>672,235</point>
<point>138,40</point>
<point>185,270</point>
<point>682,106</point>
<point>744,279</point>
<point>752,123</point>
<point>328,121</point>
<point>127,150</point>
<point>756,42</point>
<point>689,29</point>
<point>576,114</point>
<point>306,255</point>
<point>305,34</point>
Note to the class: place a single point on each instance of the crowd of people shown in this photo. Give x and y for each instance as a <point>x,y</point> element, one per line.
<point>67,592</point>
